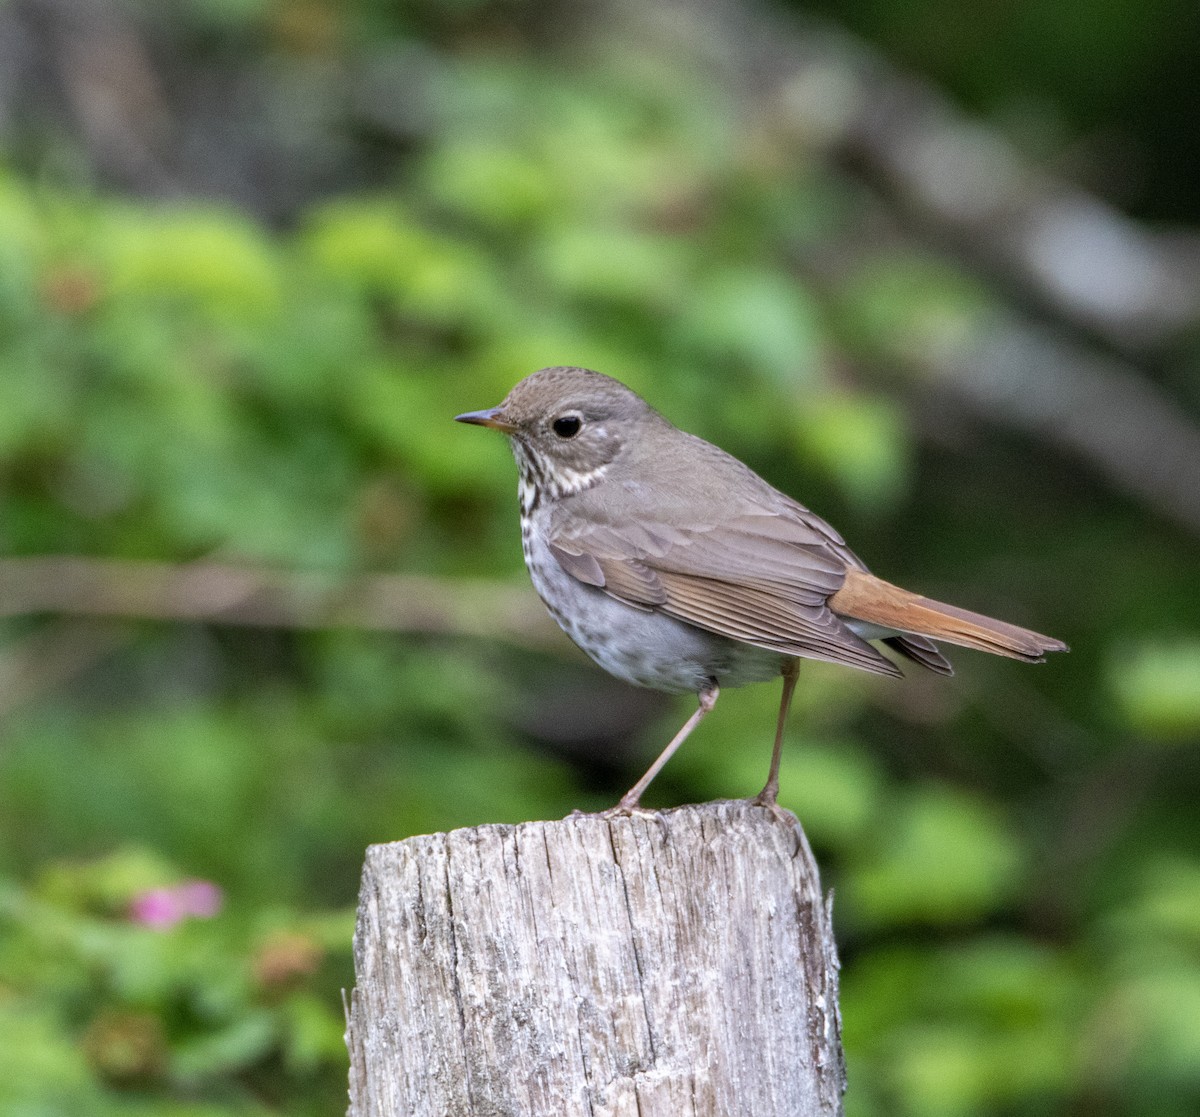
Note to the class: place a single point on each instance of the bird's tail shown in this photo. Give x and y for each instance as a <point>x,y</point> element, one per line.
<point>863,597</point>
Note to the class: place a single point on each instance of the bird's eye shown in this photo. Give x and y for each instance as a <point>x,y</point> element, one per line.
<point>567,426</point>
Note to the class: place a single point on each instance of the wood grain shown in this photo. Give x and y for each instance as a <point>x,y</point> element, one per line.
<point>668,964</point>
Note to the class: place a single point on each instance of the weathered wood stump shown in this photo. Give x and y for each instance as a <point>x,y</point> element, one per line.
<point>659,965</point>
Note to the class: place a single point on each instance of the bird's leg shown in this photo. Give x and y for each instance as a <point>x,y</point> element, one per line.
<point>629,801</point>
<point>770,791</point>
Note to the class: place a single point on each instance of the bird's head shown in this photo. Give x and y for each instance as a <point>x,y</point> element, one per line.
<point>567,425</point>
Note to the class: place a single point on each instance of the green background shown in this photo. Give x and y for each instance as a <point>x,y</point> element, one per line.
<point>254,257</point>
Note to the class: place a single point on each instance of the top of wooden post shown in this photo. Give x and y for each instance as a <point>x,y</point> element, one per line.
<point>661,964</point>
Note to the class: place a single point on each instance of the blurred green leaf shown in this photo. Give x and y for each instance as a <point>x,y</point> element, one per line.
<point>962,1028</point>
<point>836,790</point>
<point>616,264</point>
<point>215,262</point>
<point>941,856</point>
<point>41,1070</point>
<point>315,1032</point>
<point>860,441</point>
<point>1157,686</point>
<point>244,1041</point>
<point>911,308</point>
<point>762,320</point>
<point>491,183</point>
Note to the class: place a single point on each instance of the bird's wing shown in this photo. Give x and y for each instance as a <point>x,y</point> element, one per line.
<point>763,576</point>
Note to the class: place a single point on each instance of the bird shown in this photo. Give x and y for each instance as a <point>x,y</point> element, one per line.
<point>675,566</point>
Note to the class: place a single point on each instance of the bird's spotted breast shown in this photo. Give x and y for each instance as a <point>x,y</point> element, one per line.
<point>642,647</point>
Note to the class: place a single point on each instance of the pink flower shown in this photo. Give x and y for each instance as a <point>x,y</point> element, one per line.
<point>163,908</point>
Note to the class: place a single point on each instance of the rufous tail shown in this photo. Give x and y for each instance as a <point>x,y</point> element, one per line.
<point>864,597</point>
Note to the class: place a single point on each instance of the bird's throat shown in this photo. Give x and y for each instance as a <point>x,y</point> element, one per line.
<point>540,479</point>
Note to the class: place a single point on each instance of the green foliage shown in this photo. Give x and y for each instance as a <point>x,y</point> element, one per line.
<point>909,307</point>
<point>861,443</point>
<point>1015,873</point>
<point>992,1024</point>
<point>941,858</point>
<point>1157,687</point>
<point>173,1013</point>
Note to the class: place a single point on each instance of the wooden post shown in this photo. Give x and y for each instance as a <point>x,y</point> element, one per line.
<point>656,966</point>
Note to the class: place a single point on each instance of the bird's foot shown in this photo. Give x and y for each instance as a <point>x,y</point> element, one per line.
<point>767,800</point>
<point>628,808</point>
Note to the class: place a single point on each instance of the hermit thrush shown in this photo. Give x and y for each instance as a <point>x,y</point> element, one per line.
<point>676,567</point>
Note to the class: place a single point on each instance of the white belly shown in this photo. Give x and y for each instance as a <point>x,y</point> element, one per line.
<point>645,648</point>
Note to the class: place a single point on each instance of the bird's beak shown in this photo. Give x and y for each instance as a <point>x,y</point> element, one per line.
<point>493,417</point>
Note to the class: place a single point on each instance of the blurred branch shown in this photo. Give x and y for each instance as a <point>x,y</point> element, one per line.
<point>94,54</point>
<point>222,594</point>
<point>1083,262</point>
<point>145,110</point>
<point>1097,406</point>
<point>1078,256</point>
<point>961,181</point>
